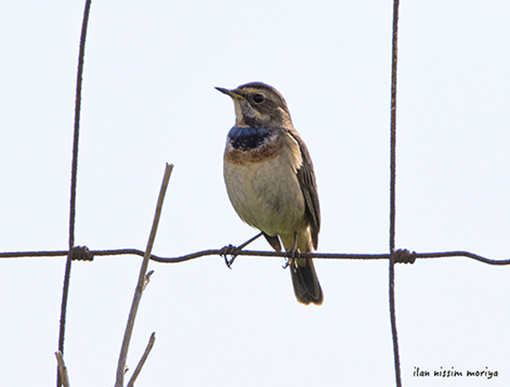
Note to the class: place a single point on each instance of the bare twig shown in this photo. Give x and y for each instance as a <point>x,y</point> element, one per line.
<point>147,278</point>
<point>74,180</point>
<point>393,179</point>
<point>138,368</point>
<point>62,369</point>
<point>141,281</point>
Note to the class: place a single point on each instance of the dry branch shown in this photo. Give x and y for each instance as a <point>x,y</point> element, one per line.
<point>62,369</point>
<point>142,281</point>
<point>138,368</point>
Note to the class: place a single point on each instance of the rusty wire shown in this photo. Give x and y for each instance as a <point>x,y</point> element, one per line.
<point>393,182</point>
<point>402,256</point>
<point>74,183</point>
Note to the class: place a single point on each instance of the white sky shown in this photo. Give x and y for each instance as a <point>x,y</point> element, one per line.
<point>149,98</point>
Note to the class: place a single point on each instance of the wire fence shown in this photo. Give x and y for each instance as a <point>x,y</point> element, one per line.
<point>83,253</point>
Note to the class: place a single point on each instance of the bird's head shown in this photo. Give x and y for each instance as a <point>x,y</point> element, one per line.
<point>259,105</point>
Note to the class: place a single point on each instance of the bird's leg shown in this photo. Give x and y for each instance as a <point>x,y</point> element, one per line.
<point>234,251</point>
<point>294,253</point>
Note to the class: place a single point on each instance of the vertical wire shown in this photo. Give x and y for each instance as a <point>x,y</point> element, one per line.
<point>74,178</point>
<point>393,179</point>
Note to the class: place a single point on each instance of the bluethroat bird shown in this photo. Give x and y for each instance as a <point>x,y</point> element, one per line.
<point>270,180</point>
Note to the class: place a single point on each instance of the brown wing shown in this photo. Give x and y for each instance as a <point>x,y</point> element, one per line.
<point>273,241</point>
<point>306,178</point>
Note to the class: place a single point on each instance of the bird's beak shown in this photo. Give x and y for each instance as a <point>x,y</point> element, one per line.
<point>230,93</point>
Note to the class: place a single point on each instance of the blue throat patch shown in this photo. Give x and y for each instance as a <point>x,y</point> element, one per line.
<point>246,138</point>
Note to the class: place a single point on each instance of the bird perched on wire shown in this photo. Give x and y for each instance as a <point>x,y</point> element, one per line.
<point>270,180</point>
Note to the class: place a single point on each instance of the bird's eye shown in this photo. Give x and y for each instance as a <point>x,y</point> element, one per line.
<point>258,98</point>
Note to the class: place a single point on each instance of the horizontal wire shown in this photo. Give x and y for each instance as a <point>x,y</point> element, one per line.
<point>405,256</point>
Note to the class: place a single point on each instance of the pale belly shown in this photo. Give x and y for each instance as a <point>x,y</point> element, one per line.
<point>267,196</point>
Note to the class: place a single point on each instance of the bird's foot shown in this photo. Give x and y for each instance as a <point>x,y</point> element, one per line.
<point>234,251</point>
<point>229,250</point>
<point>293,254</point>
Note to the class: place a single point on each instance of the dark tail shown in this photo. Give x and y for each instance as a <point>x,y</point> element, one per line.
<point>305,281</point>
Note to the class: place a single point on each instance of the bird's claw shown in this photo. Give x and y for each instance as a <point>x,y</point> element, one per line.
<point>229,262</point>
<point>293,254</point>
<point>229,250</point>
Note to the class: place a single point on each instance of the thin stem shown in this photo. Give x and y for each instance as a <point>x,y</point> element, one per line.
<point>141,281</point>
<point>138,368</point>
<point>62,369</point>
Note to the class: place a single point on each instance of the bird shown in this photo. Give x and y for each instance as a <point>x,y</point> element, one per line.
<point>270,180</point>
